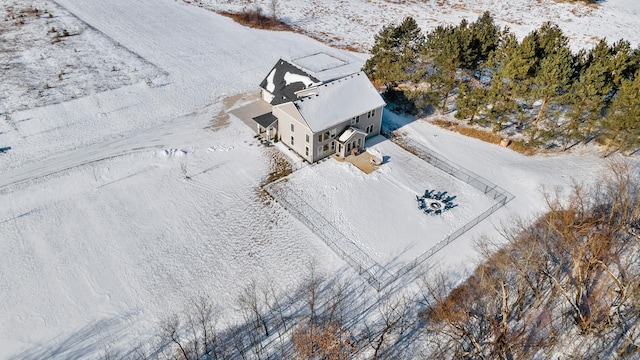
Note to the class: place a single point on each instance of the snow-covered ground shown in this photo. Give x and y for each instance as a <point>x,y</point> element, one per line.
<point>378,212</point>
<point>102,235</point>
<point>352,23</point>
<point>49,56</point>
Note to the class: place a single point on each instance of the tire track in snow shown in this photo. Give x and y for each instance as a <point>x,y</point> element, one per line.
<point>144,140</point>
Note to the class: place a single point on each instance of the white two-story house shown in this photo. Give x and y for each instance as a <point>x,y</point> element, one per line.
<point>319,118</point>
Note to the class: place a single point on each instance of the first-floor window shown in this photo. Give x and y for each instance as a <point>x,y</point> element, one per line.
<point>292,140</point>
<point>306,150</point>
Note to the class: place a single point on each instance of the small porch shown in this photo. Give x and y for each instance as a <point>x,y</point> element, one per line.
<point>350,142</point>
<point>256,113</point>
<point>267,126</point>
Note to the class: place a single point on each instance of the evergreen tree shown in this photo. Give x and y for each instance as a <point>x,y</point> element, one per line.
<point>589,93</point>
<point>515,66</point>
<point>554,75</point>
<point>444,51</point>
<point>621,126</point>
<point>623,63</point>
<point>485,39</point>
<point>395,52</point>
<point>469,101</point>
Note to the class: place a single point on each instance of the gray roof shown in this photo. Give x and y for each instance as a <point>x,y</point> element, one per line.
<point>265,120</point>
<point>284,80</point>
<point>339,100</point>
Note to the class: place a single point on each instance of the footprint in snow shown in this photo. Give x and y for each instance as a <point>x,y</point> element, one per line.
<point>219,147</point>
<point>167,153</point>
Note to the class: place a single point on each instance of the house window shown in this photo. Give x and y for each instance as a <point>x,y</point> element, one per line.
<point>327,135</point>
<point>333,146</point>
<point>355,120</point>
<point>307,138</point>
<point>291,127</point>
<point>292,140</point>
<point>369,129</point>
<point>306,150</point>
<point>325,147</point>
<point>373,112</point>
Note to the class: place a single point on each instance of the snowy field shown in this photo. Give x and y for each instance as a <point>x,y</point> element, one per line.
<point>102,234</point>
<point>49,56</point>
<point>351,23</point>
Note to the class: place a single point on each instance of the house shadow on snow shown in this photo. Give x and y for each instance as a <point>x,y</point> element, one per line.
<point>401,111</point>
<point>392,121</point>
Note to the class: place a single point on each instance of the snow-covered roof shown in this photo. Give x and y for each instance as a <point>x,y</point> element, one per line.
<point>285,79</point>
<point>339,100</point>
<point>327,66</point>
<point>347,134</point>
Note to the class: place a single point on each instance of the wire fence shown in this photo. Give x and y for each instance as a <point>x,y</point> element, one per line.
<point>377,275</point>
<point>491,190</point>
<point>349,251</point>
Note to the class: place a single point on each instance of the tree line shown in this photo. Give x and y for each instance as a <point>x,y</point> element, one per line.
<point>332,318</point>
<point>535,89</point>
<point>567,285</point>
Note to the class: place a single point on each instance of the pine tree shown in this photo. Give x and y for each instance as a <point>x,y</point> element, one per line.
<point>621,125</point>
<point>395,53</point>
<point>443,49</point>
<point>623,63</point>
<point>469,102</point>
<point>589,93</point>
<point>515,66</point>
<point>554,76</point>
<point>485,39</point>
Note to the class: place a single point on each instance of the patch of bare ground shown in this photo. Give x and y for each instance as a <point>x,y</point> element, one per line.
<point>256,19</point>
<point>485,136</point>
<point>219,121</point>
<point>279,165</point>
<point>585,3</point>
